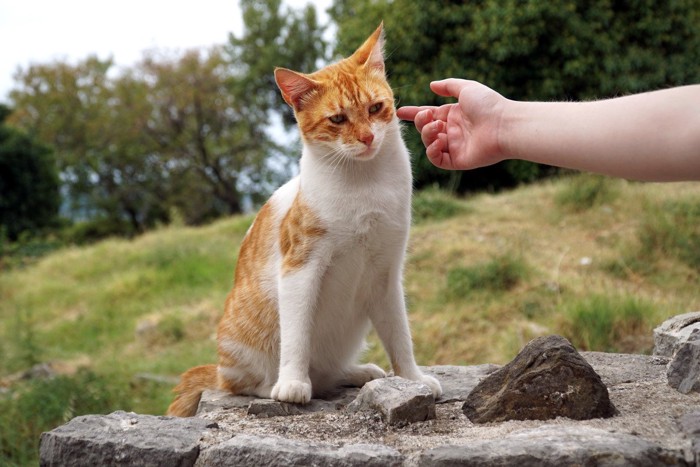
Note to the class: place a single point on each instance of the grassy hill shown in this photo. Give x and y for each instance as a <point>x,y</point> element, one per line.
<point>600,261</point>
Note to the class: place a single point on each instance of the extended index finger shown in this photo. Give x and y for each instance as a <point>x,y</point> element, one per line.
<point>409,112</point>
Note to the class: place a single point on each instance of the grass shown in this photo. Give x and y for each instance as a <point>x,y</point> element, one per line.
<point>585,191</point>
<point>483,276</point>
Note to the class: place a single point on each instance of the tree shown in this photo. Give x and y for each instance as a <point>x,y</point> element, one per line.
<point>190,132</point>
<point>94,123</point>
<point>531,50</point>
<point>29,183</point>
<point>273,37</point>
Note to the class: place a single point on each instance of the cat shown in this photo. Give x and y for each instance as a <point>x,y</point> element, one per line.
<point>323,259</point>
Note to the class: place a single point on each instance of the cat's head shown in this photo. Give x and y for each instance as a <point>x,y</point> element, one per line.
<point>346,108</point>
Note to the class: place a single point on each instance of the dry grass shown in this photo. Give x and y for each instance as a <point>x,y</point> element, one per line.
<point>151,304</point>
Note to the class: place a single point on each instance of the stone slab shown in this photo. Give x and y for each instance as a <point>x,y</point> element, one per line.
<point>248,450</point>
<point>123,438</point>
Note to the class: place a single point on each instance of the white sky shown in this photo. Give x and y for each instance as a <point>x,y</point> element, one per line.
<point>44,31</point>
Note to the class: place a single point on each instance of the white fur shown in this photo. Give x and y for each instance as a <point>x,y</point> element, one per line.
<point>353,277</point>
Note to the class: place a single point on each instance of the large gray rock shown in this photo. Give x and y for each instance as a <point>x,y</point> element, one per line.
<point>674,331</point>
<point>249,450</point>
<point>555,446</point>
<point>399,401</point>
<point>684,370</point>
<point>124,439</point>
<point>547,379</point>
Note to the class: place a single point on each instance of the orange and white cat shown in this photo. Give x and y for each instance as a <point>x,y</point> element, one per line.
<point>324,257</point>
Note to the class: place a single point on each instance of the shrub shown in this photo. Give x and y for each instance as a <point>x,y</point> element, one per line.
<point>672,229</point>
<point>586,191</point>
<point>499,274</point>
<point>434,204</point>
<point>41,405</point>
<point>608,324</point>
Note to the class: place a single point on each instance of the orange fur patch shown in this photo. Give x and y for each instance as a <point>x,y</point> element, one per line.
<point>250,315</point>
<point>189,391</point>
<point>299,231</point>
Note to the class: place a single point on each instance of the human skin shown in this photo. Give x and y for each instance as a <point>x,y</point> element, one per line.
<point>653,136</point>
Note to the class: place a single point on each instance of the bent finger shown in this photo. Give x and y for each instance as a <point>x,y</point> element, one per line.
<point>409,112</point>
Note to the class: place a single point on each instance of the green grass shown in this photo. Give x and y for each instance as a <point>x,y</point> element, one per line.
<point>434,205</point>
<point>585,191</point>
<point>108,313</point>
<point>609,323</point>
<point>501,273</point>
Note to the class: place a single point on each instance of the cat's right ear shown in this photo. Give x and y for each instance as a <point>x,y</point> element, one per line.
<point>294,86</point>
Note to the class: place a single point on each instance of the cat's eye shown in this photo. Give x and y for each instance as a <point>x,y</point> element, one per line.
<point>340,118</point>
<point>375,108</point>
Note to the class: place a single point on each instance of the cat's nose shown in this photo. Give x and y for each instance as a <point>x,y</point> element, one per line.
<point>367,139</point>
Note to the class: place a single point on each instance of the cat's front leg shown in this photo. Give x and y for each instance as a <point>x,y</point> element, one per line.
<point>391,322</point>
<point>298,292</point>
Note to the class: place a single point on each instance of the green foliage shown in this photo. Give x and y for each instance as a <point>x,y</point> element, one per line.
<point>526,50</point>
<point>607,323</point>
<point>672,229</point>
<point>29,197</point>
<point>43,404</point>
<point>586,191</point>
<point>186,132</point>
<point>433,204</point>
<point>500,274</point>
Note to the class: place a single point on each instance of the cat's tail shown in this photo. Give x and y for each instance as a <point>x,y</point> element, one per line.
<point>192,383</point>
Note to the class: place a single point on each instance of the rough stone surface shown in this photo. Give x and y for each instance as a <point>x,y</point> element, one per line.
<point>124,439</point>
<point>555,446</point>
<point>684,370</point>
<point>673,332</point>
<point>547,379</point>
<point>247,450</point>
<point>690,424</point>
<point>649,410</point>
<point>458,381</point>
<point>397,400</point>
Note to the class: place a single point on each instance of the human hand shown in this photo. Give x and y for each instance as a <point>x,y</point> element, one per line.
<point>462,135</point>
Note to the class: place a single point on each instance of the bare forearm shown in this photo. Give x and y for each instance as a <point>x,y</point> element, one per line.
<point>650,136</point>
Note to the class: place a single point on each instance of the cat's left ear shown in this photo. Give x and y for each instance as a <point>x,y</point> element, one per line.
<point>371,53</point>
<point>294,86</point>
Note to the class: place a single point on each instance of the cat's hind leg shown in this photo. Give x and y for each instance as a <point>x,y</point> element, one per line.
<point>358,375</point>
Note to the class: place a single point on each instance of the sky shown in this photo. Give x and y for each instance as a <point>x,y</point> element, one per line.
<point>45,31</point>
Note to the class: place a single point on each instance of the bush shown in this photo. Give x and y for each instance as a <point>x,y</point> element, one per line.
<point>672,229</point>
<point>434,204</point>
<point>586,191</point>
<point>501,273</point>
<point>42,405</point>
<point>609,324</point>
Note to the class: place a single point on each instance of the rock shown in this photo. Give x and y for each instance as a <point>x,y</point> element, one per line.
<point>124,439</point>
<point>212,400</point>
<point>547,379</point>
<point>684,370</point>
<point>673,332</point>
<point>552,445</point>
<point>270,408</point>
<point>398,400</point>
<point>222,400</point>
<point>690,423</point>
<point>250,450</point>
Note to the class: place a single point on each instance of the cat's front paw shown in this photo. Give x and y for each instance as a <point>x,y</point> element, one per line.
<point>433,384</point>
<point>294,391</point>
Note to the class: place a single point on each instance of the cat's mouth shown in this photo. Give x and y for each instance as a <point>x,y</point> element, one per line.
<point>367,153</point>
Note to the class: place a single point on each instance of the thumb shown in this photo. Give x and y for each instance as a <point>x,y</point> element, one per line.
<point>449,87</point>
